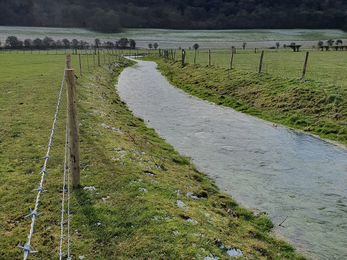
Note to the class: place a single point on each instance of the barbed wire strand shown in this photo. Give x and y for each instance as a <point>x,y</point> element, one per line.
<point>64,190</point>
<point>68,210</point>
<point>27,248</point>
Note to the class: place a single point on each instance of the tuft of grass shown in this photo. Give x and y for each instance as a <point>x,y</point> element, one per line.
<point>149,202</point>
<point>308,105</point>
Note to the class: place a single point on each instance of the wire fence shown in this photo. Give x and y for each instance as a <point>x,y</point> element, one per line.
<point>28,248</point>
<point>66,172</point>
<point>324,67</point>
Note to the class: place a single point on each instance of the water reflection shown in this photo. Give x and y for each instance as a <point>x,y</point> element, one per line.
<point>273,169</point>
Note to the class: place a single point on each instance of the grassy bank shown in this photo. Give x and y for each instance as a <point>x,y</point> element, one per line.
<point>308,105</point>
<point>324,67</point>
<point>139,198</point>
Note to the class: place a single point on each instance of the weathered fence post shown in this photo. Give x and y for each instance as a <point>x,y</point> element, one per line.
<point>231,59</point>
<point>68,61</point>
<point>87,61</point>
<point>183,56</point>
<point>304,69</point>
<point>93,60</point>
<point>74,160</point>
<point>261,61</point>
<point>98,58</point>
<point>209,57</point>
<point>79,59</point>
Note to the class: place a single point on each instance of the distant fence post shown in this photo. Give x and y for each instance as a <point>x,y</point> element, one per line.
<point>98,58</point>
<point>183,56</point>
<point>209,57</point>
<point>231,59</point>
<point>87,61</point>
<point>261,61</point>
<point>93,60</point>
<point>304,69</point>
<point>73,129</point>
<point>79,59</point>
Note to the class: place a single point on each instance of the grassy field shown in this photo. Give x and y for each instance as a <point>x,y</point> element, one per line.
<point>148,203</point>
<point>326,68</point>
<point>317,105</point>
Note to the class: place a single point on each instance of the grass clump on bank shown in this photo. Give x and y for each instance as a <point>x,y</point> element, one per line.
<point>139,198</point>
<point>305,105</point>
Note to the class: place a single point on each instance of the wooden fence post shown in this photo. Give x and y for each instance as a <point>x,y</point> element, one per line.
<point>209,57</point>
<point>79,58</point>
<point>74,160</point>
<point>183,56</point>
<point>98,58</point>
<point>231,59</point>
<point>93,60</point>
<point>304,69</point>
<point>261,61</point>
<point>87,61</point>
<point>68,61</point>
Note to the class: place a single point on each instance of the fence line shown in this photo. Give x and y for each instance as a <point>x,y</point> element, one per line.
<point>28,248</point>
<point>70,150</point>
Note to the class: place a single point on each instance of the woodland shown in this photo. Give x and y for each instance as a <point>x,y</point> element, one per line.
<point>111,15</point>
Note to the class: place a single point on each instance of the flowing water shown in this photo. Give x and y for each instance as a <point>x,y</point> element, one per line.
<point>274,169</point>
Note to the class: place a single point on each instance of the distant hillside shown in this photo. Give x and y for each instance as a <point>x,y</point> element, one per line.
<point>110,15</point>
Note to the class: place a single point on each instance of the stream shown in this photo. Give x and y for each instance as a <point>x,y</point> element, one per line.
<point>266,168</point>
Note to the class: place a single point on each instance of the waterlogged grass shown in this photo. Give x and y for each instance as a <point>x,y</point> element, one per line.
<point>310,105</point>
<point>139,198</point>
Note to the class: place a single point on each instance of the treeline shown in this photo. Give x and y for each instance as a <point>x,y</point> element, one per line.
<point>111,15</point>
<point>12,42</point>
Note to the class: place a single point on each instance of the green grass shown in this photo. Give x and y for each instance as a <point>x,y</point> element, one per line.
<point>312,106</point>
<point>326,68</point>
<point>139,178</point>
